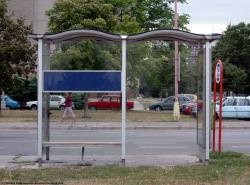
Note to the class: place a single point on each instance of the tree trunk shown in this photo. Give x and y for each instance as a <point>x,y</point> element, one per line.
<point>85,111</point>
<point>1,101</point>
<point>0,106</point>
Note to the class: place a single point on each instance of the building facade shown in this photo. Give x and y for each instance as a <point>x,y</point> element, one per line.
<point>33,11</point>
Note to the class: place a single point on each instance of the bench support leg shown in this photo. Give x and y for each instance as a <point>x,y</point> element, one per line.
<point>123,161</point>
<point>40,162</point>
<point>82,153</point>
<point>47,153</point>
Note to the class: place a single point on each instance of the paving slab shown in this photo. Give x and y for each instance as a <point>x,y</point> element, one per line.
<point>30,162</point>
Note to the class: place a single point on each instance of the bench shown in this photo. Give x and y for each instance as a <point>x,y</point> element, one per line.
<point>47,145</point>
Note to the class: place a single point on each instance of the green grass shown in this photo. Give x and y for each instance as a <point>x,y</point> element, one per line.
<point>227,169</point>
<point>94,116</point>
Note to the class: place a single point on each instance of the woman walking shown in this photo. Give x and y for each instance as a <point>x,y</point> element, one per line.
<point>68,108</point>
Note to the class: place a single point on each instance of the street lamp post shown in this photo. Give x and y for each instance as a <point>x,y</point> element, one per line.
<point>176,109</point>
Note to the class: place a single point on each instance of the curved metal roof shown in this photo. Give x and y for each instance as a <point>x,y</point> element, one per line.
<point>172,35</point>
<point>166,35</point>
<point>76,34</point>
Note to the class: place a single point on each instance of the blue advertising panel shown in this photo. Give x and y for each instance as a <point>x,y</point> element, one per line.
<point>82,81</point>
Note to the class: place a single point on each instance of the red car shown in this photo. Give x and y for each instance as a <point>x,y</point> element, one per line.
<point>188,107</point>
<point>109,102</point>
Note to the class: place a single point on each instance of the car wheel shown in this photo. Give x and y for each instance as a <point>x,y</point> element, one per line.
<point>33,107</point>
<point>92,108</point>
<point>61,107</point>
<point>217,116</point>
<point>8,107</point>
<point>158,108</point>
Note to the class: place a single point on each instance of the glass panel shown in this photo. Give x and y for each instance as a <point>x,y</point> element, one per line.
<point>199,67</point>
<point>243,102</point>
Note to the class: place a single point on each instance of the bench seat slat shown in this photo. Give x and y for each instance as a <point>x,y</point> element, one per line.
<point>79,143</point>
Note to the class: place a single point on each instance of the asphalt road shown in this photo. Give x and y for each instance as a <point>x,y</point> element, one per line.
<point>139,142</point>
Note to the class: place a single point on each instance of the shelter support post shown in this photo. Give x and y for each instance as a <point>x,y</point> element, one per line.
<point>46,101</point>
<point>176,109</point>
<point>123,88</point>
<point>207,99</point>
<point>39,102</point>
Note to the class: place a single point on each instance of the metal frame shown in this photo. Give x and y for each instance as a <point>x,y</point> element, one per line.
<point>207,98</point>
<point>168,35</point>
<point>123,87</point>
<point>39,98</point>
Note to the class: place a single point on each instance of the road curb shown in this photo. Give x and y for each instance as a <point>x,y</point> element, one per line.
<point>118,128</point>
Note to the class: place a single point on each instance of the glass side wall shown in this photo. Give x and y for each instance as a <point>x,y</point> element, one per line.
<point>150,81</point>
<point>90,109</point>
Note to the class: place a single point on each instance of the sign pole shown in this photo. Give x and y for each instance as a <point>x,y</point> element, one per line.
<point>214,126</point>
<point>218,78</point>
<point>221,94</point>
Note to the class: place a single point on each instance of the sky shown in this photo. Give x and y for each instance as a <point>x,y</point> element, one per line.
<point>213,16</point>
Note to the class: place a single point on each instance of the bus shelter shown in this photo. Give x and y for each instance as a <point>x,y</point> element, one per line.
<point>110,81</point>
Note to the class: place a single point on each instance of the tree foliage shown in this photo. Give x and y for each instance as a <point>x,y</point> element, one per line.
<point>146,61</point>
<point>17,55</point>
<point>234,49</point>
<point>23,90</point>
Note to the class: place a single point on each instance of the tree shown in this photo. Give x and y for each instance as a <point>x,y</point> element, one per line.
<point>88,14</point>
<point>150,14</point>
<point>234,49</point>
<point>23,89</point>
<point>116,16</point>
<point>17,55</point>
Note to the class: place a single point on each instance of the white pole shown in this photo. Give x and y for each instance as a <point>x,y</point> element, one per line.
<point>208,90</point>
<point>123,87</point>
<point>39,98</point>
<point>176,108</point>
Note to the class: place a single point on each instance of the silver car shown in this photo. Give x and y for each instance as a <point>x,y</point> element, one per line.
<point>168,103</point>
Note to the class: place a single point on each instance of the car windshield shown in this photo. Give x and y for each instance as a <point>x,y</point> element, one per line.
<point>218,100</point>
<point>8,98</point>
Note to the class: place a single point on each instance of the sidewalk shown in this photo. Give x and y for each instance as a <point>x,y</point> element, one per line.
<point>30,162</point>
<point>226,124</point>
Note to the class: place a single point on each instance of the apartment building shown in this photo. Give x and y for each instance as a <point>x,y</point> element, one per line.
<point>33,11</point>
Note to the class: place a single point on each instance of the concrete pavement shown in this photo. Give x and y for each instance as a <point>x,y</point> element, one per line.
<point>14,162</point>
<point>30,162</point>
<point>226,124</point>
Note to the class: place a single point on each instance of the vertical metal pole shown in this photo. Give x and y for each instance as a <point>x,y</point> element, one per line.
<point>33,16</point>
<point>221,95</point>
<point>207,96</point>
<point>176,108</point>
<point>46,101</point>
<point>214,126</point>
<point>123,87</point>
<point>39,102</point>
<point>176,52</point>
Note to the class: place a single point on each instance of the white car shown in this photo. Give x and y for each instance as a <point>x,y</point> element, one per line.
<point>56,102</point>
<point>234,107</point>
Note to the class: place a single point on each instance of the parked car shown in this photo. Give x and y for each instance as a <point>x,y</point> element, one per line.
<point>168,103</point>
<point>56,102</point>
<point>234,107</point>
<point>109,102</point>
<point>187,107</point>
<point>10,103</point>
<point>192,97</point>
<point>194,111</point>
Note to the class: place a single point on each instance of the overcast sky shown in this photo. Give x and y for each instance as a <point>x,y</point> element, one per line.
<point>212,16</point>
